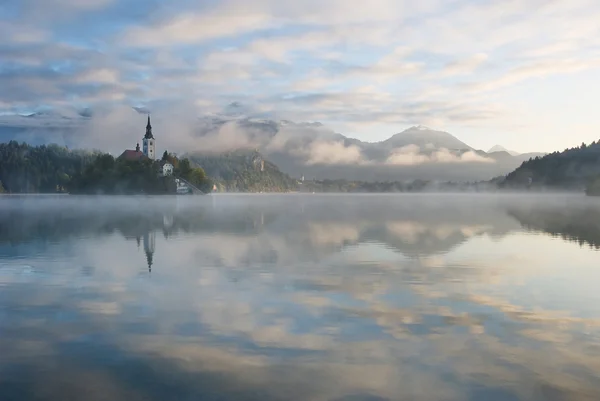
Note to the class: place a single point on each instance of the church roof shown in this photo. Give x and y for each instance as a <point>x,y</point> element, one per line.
<point>130,154</point>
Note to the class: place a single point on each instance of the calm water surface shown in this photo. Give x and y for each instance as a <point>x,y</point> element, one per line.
<point>300,297</point>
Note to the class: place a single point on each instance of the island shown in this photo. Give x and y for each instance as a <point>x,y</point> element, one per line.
<point>56,169</point>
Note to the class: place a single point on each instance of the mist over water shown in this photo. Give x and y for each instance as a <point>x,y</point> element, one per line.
<point>300,297</point>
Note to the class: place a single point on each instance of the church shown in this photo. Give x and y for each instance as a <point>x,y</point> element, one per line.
<point>148,147</point>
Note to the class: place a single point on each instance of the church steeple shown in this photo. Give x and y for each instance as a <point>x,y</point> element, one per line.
<point>148,142</point>
<point>149,130</point>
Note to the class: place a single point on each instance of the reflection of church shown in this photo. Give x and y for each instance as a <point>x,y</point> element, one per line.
<point>149,240</point>
<point>149,246</point>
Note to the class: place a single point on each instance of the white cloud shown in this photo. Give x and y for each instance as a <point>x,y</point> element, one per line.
<point>102,75</point>
<point>423,61</point>
<point>21,33</point>
<point>73,4</point>
<point>329,152</point>
<point>195,27</point>
<point>410,155</point>
<point>534,71</point>
<point>465,66</point>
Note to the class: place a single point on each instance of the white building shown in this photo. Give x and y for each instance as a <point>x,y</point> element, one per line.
<point>167,169</point>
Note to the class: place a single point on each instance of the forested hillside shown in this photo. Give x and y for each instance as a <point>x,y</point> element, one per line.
<point>573,169</point>
<point>243,171</point>
<point>39,169</point>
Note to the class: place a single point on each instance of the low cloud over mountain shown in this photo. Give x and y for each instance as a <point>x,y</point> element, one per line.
<point>309,149</point>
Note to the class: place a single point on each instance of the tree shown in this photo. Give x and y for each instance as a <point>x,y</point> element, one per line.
<point>109,176</point>
<point>198,178</point>
<point>165,156</point>
<point>42,169</point>
<point>1,188</point>
<point>185,168</point>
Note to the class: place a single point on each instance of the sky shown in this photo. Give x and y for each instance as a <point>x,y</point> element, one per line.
<point>517,73</point>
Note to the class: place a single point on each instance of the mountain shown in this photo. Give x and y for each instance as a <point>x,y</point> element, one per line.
<point>307,149</point>
<point>243,171</point>
<point>573,168</point>
<point>499,148</point>
<point>425,138</point>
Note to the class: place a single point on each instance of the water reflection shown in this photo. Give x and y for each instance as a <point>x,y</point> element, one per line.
<point>578,224</point>
<point>299,298</point>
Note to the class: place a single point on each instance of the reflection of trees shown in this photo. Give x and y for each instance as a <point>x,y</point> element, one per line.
<point>580,225</point>
<point>268,230</point>
<point>19,226</point>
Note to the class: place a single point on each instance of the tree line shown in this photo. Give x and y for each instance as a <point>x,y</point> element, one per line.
<point>574,168</point>
<point>55,169</point>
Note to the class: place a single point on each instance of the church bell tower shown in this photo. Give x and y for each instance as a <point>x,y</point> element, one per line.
<point>149,143</point>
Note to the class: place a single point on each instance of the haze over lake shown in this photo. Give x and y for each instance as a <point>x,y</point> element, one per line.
<point>300,297</point>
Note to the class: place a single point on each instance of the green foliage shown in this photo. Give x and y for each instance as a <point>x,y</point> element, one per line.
<point>242,171</point>
<point>197,177</point>
<point>39,169</point>
<point>48,169</point>
<point>184,169</point>
<point>571,169</point>
<point>165,156</point>
<point>109,176</point>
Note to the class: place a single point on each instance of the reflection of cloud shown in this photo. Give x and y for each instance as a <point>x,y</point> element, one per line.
<point>288,308</point>
<point>333,233</point>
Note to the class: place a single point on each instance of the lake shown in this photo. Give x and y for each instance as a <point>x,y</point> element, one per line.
<point>300,297</point>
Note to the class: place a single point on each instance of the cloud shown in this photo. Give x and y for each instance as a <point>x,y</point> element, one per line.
<point>465,66</point>
<point>103,75</point>
<point>70,4</point>
<point>423,62</point>
<point>322,152</point>
<point>20,34</point>
<point>195,27</point>
<point>535,70</point>
<point>410,155</point>
<point>307,142</point>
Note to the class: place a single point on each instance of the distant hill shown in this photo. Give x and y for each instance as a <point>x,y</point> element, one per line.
<point>243,171</point>
<point>570,169</point>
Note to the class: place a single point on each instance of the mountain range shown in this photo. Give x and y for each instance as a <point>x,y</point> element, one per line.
<point>316,152</point>
<point>299,149</point>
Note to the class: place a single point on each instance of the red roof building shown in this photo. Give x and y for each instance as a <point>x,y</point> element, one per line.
<point>133,154</point>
